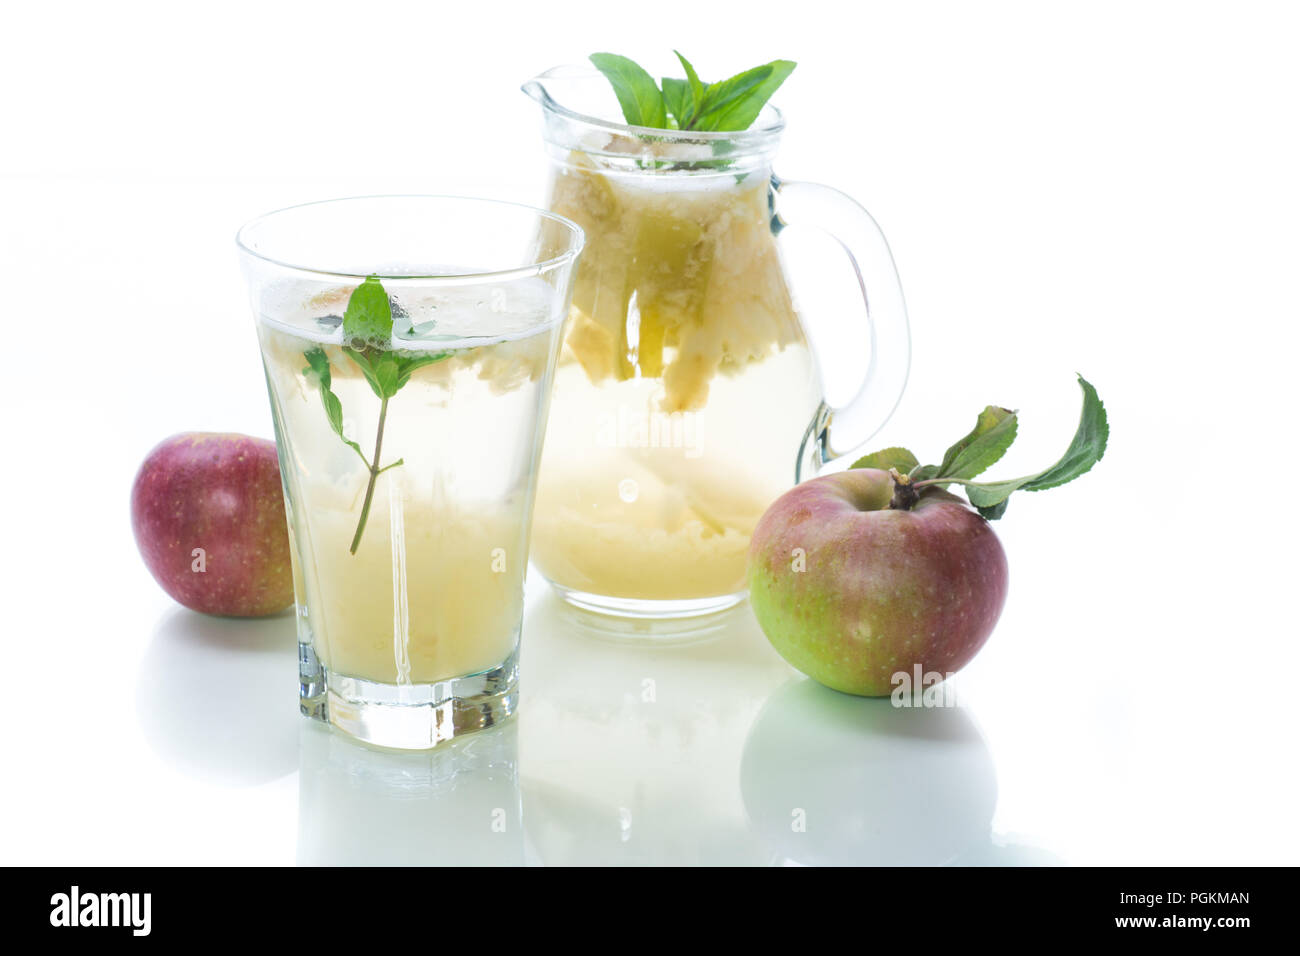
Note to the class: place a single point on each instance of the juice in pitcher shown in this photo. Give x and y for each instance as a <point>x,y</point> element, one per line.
<point>687,398</point>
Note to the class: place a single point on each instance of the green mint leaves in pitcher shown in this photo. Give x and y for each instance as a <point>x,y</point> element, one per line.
<point>690,104</point>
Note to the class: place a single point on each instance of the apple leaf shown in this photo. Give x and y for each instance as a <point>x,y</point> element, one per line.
<point>993,512</point>
<point>994,431</point>
<point>1086,449</point>
<point>987,442</point>
<point>887,458</point>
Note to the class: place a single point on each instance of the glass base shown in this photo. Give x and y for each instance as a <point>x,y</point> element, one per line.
<point>407,716</point>
<point>647,609</point>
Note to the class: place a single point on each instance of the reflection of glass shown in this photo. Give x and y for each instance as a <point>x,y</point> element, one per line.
<point>632,759</point>
<point>831,779</point>
<point>458,805</point>
<point>686,398</point>
<point>408,456</point>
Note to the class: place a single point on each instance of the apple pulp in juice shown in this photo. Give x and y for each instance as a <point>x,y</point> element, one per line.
<point>435,587</point>
<point>684,388</point>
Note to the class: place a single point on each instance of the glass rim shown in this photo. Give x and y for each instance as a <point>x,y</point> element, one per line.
<point>577,240</point>
<point>755,136</point>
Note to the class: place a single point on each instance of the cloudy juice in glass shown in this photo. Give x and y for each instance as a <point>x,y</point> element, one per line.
<point>409,344</point>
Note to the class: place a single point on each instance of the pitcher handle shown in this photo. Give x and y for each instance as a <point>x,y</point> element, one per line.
<point>836,432</point>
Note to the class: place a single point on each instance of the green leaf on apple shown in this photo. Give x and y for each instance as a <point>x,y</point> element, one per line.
<point>887,458</point>
<point>994,431</point>
<point>1086,449</point>
<point>987,442</point>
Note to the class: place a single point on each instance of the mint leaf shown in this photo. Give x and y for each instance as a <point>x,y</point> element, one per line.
<point>719,96</point>
<point>318,367</point>
<point>369,315</point>
<point>318,372</point>
<point>638,96</point>
<point>693,81</point>
<point>408,364</point>
<point>361,359</point>
<point>334,412</point>
<point>677,98</point>
<point>887,458</point>
<point>994,431</point>
<point>728,106</point>
<point>386,373</point>
<point>1086,449</point>
<point>735,103</point>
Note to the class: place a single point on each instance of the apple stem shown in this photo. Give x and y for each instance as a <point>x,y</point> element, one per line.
<point>905,493</point>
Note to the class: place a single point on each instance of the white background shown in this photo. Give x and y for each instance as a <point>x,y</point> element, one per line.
<point>1108,188</point>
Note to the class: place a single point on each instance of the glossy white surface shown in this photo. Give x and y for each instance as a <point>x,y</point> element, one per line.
<point>1115,194</point>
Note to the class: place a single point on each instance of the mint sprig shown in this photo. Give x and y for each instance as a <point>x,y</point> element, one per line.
<point>368,332</point>
<point>987,442</point>
<point>729,105</point>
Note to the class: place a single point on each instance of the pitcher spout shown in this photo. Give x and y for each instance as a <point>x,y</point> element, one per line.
<point>548,88</point>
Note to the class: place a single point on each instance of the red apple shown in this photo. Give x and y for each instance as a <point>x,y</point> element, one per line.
<point>208,514</point>
<point>852,592</point>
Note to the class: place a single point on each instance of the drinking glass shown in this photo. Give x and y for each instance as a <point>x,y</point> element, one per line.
<point>687,397</point>
<point>408,452</point>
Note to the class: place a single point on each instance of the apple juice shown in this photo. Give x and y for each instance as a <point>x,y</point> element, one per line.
<point>434,586</point>
<point>684,388</point>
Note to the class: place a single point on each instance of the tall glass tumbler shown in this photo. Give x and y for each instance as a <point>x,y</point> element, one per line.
<point>409,344</point>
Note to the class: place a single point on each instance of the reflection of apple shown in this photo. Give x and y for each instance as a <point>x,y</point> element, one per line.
<point>852,592</point>
<point>208,515</point>
<point>216,696</point>
<point>831,780</point>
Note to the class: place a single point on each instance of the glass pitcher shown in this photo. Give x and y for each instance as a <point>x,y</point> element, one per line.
<point>687,398</point>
